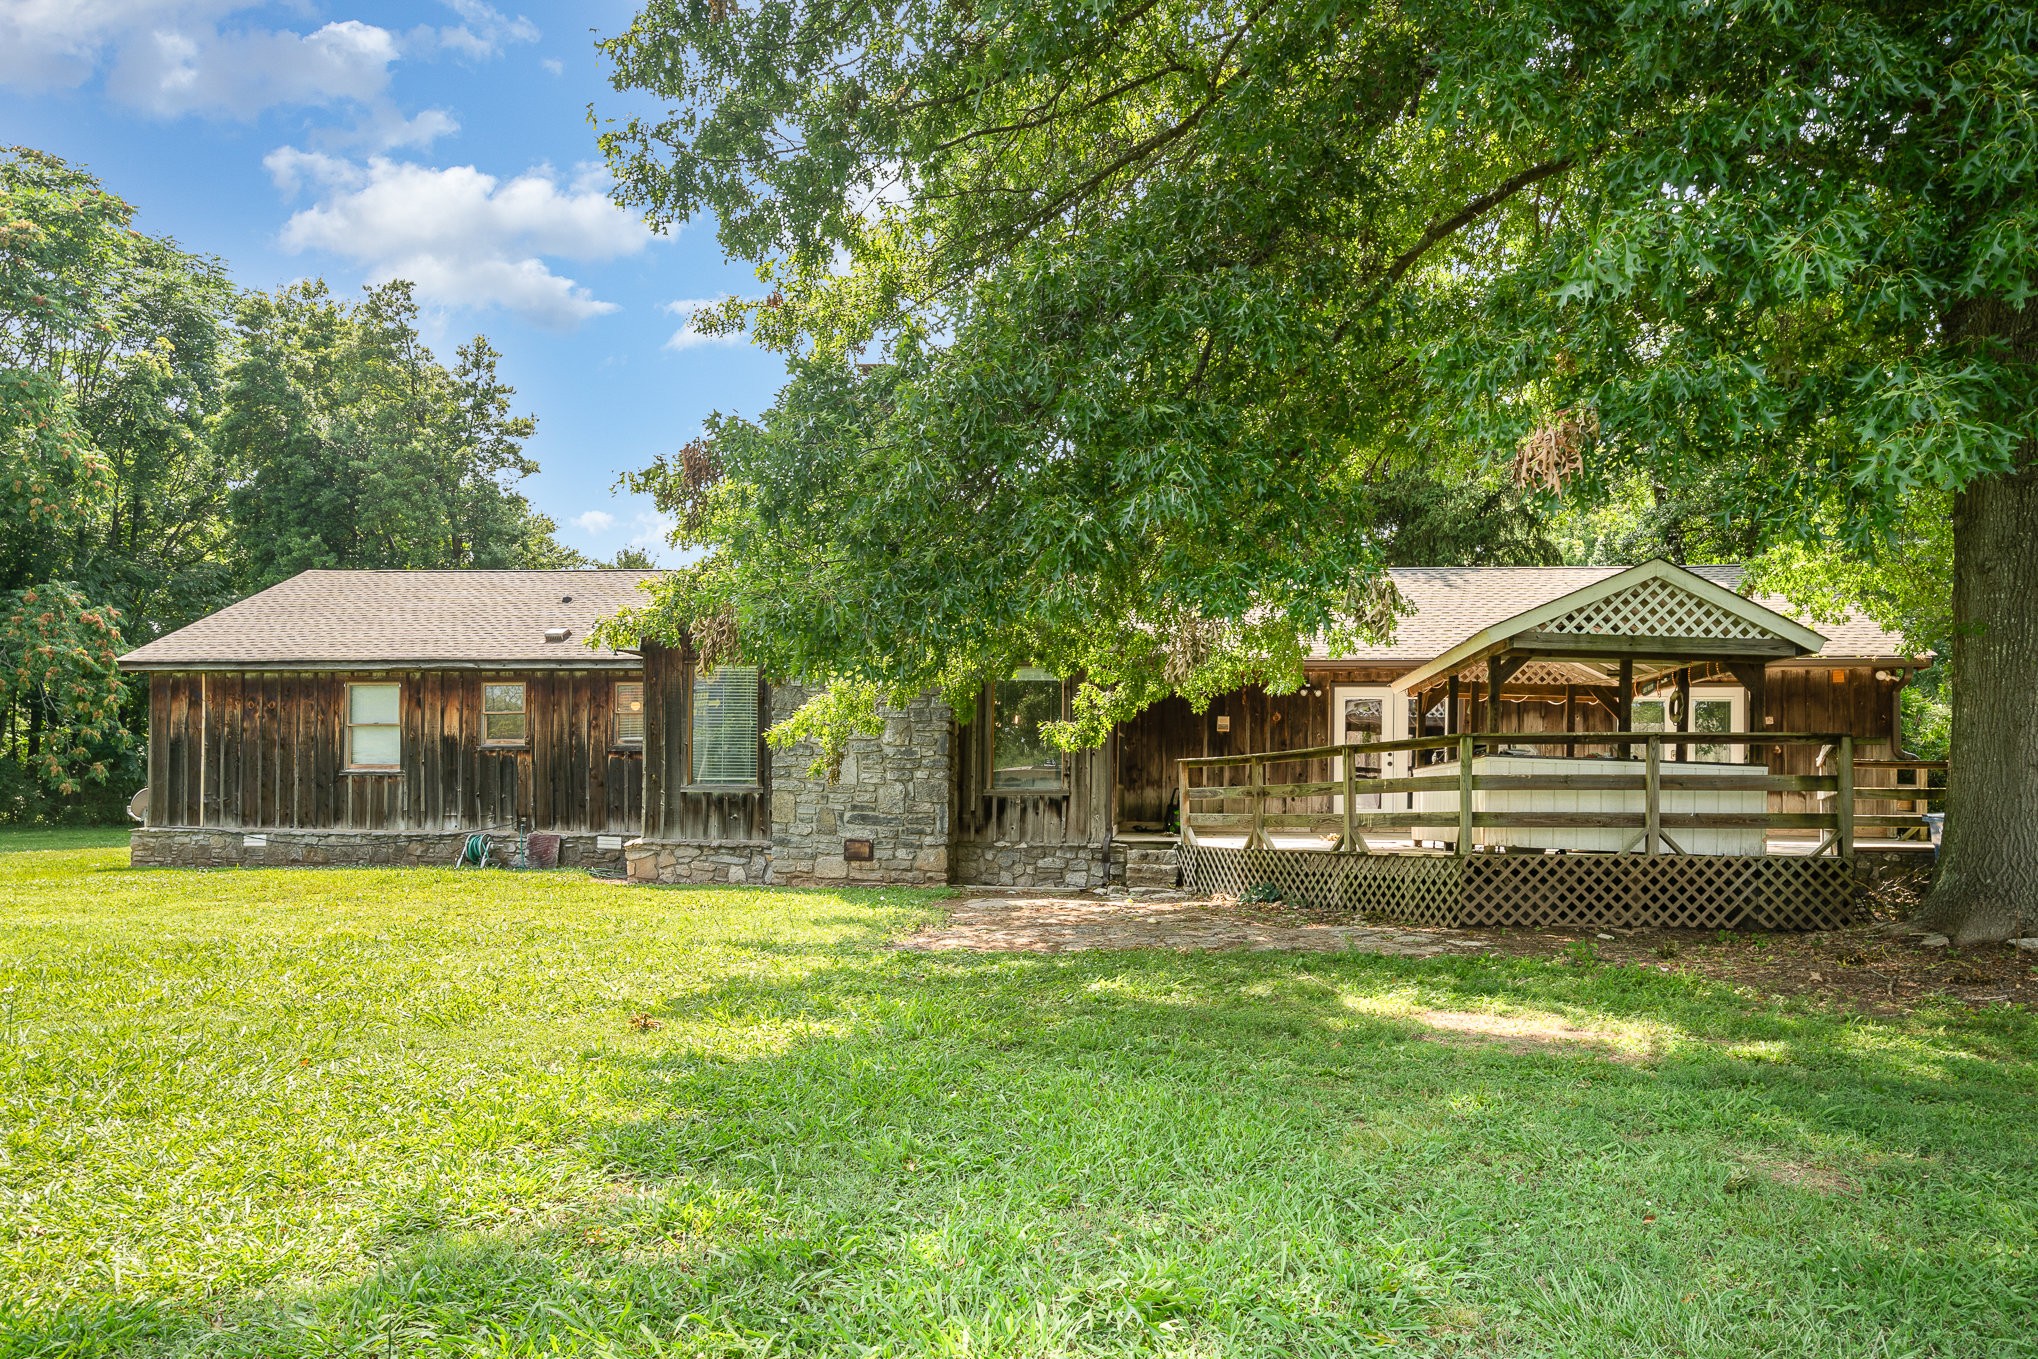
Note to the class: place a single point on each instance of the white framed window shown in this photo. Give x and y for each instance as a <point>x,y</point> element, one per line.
<point>725,725</point>
<point>503,719</point>
<point>1022,759</point>
<point>1714,707</point>
<point>630,713</point>
<point>374,736</point>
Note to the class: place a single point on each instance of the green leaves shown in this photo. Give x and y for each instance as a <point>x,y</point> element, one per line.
<point>1171,299</point>
<point>353,446</point>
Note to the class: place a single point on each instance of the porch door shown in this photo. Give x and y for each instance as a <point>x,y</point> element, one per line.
<point>1361,714</point>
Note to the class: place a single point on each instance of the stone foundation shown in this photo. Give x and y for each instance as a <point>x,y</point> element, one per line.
<point>1051,866</point>
<point>184,847</point>
<point>698,861</point>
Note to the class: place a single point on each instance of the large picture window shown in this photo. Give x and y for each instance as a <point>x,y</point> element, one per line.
<point>725,725</point>
<point>374,738</point>
<point>1021,758</point>
<point>503,720</point>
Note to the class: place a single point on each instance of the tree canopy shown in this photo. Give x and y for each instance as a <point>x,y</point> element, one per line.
<point>168,443</point>
<point>1109,321</point>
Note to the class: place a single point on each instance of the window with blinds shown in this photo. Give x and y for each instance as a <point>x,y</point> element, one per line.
<point>630,714</point>
<point>725,725</point>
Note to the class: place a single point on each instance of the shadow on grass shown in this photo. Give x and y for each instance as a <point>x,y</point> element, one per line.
<point>1241,1153</point>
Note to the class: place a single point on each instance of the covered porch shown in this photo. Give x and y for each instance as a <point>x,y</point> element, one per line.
<point>1584,762</point>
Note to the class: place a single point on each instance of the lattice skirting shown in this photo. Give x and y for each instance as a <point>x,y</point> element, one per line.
<point>1542,890</point>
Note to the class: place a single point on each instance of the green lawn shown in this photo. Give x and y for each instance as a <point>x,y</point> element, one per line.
<point>22,839</point>
<point>288,1113</point>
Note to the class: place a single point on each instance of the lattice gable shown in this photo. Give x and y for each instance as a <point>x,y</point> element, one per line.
<point>1657,608</point>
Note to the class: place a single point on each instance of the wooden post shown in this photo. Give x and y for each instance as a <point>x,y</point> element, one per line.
<point>1625,718</point>
<point>1844,801</point>
<point>1684,712</point>
<point>1182,836</point>
<point>1350,840</point>
<point>1451,707</point>
<point>1754,677</point>
<point>1256,789</point>
<point>1464,795</point>
<point>1499,670</point>
<point>1570,707</point>
<point>1652,797</point>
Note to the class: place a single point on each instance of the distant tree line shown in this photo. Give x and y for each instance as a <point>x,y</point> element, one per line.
<point>170,443</point>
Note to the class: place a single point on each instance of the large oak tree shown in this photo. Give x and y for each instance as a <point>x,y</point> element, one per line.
<point>1157,296</point>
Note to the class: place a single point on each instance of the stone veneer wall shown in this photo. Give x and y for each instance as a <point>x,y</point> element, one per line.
<point>1059,866</point>
<point>892,791</point>
<point>188,847</point>
<point>698,860</point>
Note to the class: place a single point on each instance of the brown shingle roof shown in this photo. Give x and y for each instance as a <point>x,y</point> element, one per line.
<point>358,618</point>
<point>1453,602</point>
<point>352,618</point>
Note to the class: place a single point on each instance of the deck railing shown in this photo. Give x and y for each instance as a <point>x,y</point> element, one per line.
<point>1446,765</point>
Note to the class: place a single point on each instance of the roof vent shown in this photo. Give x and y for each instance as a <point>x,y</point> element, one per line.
<point>566,599</point>
<point>557,634</point>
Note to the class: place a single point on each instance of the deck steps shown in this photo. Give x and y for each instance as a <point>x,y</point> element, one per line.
<point>1145,863</point>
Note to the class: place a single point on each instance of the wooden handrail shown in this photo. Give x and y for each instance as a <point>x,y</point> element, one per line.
<point>1514,738</point>
<point>1837,789</point>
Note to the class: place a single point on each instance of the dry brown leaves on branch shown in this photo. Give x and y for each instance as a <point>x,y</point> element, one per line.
<point>1554,451</point>
<point>1187,646</point>
<point>714,638</point>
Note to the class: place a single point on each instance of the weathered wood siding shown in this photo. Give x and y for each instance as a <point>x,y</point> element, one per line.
<point>1080,814</point>
<point>675,808</point>
<point>1811,699</point>
<point>267,750</point>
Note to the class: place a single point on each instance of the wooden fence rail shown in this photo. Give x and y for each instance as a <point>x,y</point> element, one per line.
<point>1454,819</point>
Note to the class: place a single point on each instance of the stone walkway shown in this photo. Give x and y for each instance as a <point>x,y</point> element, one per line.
<point>1074,923</point>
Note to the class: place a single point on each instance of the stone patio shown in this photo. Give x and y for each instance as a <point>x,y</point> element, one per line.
<point>1075,922</point>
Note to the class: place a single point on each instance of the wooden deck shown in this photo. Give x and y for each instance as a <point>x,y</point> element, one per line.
<point>1468,846</point>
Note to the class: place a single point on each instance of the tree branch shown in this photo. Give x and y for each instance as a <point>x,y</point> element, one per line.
<point>1449,226</point>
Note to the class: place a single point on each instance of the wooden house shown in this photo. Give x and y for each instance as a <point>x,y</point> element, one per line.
<point>384,717</point>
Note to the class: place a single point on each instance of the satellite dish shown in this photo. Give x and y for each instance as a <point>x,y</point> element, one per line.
<point>138,806</point>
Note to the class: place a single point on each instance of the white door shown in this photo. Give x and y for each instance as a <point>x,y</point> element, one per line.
<point>1714,707</point>
<point>1361,714</point>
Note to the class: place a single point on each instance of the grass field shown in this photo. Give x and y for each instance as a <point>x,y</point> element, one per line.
<point>21,840</point>
<point>311,1112</point>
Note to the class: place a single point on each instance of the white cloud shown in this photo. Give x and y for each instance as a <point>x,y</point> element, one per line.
<point>691,334</point>
<point>176,57</point>
<point>482,34</point>
<point>596,522</point>
<point>56,44</point>
<point>553,66</point>
<point>651,529</point>
<point>465,238</point>
<point>170,72</point>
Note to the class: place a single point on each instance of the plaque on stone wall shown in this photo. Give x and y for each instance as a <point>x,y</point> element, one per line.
<point>858,851</point>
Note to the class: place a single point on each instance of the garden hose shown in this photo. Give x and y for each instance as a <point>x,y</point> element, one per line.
<point>474,852</point>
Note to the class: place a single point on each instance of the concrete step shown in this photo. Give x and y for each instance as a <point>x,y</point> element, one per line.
<point>1143,855</point>
<point>1152,875</point>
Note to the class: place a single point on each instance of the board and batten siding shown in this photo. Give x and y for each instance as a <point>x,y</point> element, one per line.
<point>675,808</point>
<point>248,750</point>
<point>1077,814</point>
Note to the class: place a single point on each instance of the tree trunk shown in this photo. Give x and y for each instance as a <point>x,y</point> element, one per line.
<point>1986,886</point>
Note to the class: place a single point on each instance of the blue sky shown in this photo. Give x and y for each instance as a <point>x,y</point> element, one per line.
<point>446,141</point>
